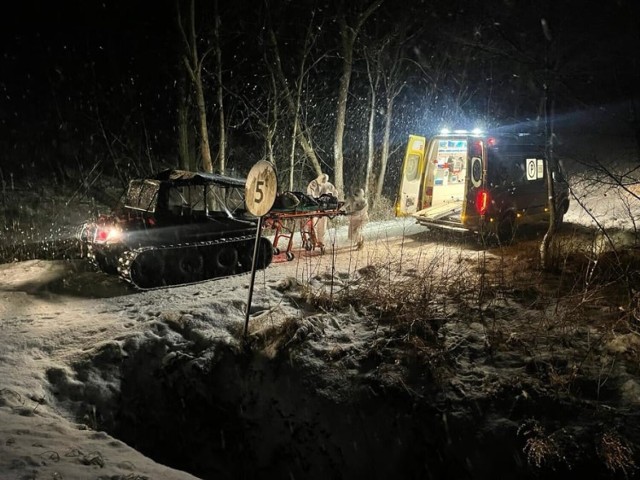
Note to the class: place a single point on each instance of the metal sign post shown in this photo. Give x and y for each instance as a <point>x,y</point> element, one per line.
<point>260,194</point>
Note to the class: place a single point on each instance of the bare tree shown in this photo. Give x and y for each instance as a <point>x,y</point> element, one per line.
<point>394,80</point>
<point>271,125</point>
<point>348,36</point>
<point>222,157</point>
<point>308,41</point>
<point>182,111</point>
<point>262,109</point>
<point>193,63</point>
<point>545,247</point>
<point>301,135</point>
<point>372,60</point>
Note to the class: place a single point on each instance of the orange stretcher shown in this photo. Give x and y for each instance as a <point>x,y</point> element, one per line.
<point>285,222</point>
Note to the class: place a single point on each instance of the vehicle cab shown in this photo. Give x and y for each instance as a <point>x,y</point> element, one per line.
<point>481,183</point>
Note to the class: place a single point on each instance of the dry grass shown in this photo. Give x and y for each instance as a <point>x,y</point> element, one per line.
<point>492,288</point>
<point>540,448</point>
<point>616,454</point>
<point>561,322</point>
<point>415,300</point>
<point>273,339</point>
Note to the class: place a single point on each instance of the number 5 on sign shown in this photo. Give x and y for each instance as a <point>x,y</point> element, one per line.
<point>261,188</point>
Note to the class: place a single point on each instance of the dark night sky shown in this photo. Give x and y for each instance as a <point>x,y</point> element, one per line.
<point>77,61</point>
<point>50,52</point>
<point>44,42</point>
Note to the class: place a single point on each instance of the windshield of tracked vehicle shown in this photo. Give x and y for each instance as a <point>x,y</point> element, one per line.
<point>186,197</point>
<point>227,199</point>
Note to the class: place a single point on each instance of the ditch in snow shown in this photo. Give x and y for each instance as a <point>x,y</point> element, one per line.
<point>222,413</point>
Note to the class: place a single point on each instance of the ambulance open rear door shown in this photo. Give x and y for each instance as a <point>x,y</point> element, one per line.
<point>409,194</point>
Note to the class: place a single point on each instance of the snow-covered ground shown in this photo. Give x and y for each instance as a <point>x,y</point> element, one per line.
<point>52,313</point>
<point>55,314</point>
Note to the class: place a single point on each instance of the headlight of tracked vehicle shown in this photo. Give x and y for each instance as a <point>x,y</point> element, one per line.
<point>108,234</point>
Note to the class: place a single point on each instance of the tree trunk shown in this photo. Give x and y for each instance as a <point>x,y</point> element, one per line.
<point>292,156</point>
<point>296,117</point>
<point>373,103</point>
<point>194,68</point>
<point>291,105</point>
<point>385,148</point>
<point>184,153</point>
<point>222,155</point>
<point>393,78</point>
<point>272,125</point>
<point>347,37</point>
<point>205,151</point>
<point>546,257</point>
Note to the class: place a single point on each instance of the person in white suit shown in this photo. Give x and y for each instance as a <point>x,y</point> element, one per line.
<point>316,188</point>
<point>357,208</point>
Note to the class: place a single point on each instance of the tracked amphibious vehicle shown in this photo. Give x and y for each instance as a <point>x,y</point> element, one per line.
<point>174,228</point>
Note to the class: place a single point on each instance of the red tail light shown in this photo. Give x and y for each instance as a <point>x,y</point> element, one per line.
<point>482,201</point>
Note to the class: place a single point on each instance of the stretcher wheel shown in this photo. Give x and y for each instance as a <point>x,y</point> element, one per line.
<point>290,256</point>
<point>276,251</point>
<point>308,246</point>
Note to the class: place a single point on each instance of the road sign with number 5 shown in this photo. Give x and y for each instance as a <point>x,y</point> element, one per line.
<point>261,188</point>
